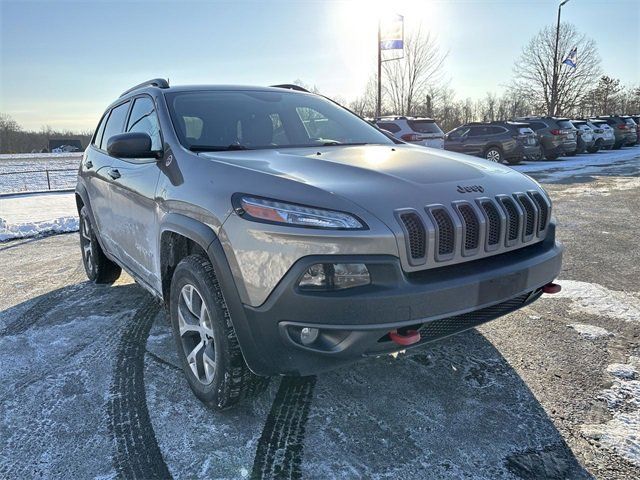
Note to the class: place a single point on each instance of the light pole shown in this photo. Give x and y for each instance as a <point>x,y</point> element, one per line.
<point>379,99</point>
<point>556,73</point>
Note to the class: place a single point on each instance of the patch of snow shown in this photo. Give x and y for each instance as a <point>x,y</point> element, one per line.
<point>590,331</point>
<point>595,299</point>
<point>24,216</point>
<point>622,433</point>
<point>32,229</point>
<point>603,190</point>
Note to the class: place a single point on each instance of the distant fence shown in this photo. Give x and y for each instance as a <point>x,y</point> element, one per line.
<point>38,180</point>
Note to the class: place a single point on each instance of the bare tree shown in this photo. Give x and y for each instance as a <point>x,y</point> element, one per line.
<point>406,81</point>
<point>365,105</point>
<point>533,71</point>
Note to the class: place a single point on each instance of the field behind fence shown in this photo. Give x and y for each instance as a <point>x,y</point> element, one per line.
<point>37,172</point>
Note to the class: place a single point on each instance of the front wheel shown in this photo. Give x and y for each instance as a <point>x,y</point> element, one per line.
<point>206,340</point>
<point>98,267</point>
<point>494,154</point>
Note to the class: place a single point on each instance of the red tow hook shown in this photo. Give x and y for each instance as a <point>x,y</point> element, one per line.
<point>551,288</point>
<point>405,339</point>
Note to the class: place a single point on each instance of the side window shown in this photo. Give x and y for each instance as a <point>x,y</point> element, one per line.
<point>143,118</point>
<point>477,131</point>
<point>279,134</point>
<point>458,133</point>
<point>99,131</point>
<point>115,124</point>
<point>392,127</point>
<point>537,125</point>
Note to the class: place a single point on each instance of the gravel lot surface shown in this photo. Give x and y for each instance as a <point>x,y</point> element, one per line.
<point>90,386</point>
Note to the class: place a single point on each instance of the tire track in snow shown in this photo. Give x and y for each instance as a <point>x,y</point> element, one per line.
<point>137,454</point>
<point>280,448</point>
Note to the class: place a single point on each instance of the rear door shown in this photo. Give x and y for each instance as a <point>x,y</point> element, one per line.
<point>98,165</point>
<point>133,186</point>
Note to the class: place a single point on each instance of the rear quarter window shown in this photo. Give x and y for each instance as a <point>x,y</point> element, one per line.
<point>392,127</point>
<point>115,123</point>
<point>565,124</point>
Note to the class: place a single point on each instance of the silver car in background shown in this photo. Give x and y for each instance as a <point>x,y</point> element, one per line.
<point>421,131</point>
<point>586,140</point>
<point>602,134</point>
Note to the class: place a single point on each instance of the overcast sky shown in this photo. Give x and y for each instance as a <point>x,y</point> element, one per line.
<point>62,62</point>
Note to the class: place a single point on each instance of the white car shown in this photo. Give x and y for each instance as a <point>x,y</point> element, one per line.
<point>417,130</point>
<point>602,133</point>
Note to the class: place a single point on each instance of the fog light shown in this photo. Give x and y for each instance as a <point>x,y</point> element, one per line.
<point>309,335</point>
<point>335,276</point>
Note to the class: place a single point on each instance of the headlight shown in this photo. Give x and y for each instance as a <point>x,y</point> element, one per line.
<point>335,276</point>
<point>273,211</point>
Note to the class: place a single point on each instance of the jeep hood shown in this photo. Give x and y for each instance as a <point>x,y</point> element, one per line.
<point>383,178</point>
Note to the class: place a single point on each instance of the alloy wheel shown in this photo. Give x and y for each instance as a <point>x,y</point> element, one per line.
<point>86,242</point>
<point>493,155</point>
<point>196,334</point>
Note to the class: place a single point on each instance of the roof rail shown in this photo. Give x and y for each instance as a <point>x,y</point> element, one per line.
<point>291,86</point>
<point>156,82</point>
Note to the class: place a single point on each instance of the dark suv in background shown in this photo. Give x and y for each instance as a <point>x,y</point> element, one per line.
<point>496,141</point>
<point>557,135</point>
<point>625,132</point>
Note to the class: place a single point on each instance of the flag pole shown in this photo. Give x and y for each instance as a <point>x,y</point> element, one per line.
<point>379,102</point>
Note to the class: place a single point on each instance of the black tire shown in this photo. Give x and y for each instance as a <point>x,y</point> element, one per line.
<point>514,160</point>
<point>593,149</point>
<point>549,156</point>
<point>494,154</point>
<point>231,380</point>
<point>617,146</point>
<point>98,267</point>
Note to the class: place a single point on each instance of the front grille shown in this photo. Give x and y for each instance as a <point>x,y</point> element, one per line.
<point>471,227</point>
<point>513,219</point>
<point>493,221</point>
<point>416,235</point>
<point>446,240</point>
<point>441,234</point>
<point>530,214</point>
<point>448,326</point>
<point>543,210</point>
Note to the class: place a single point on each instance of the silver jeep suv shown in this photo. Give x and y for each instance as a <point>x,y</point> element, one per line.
<point>287,236</point>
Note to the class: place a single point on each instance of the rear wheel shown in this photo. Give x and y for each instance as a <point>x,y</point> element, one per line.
<point>205,338</point>
<point>494,154</point>
<point>549,156</point>
<point>98,267</point>
<point>514,160</point>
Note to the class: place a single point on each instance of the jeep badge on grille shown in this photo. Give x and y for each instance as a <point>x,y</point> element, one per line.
<point>470,188</point>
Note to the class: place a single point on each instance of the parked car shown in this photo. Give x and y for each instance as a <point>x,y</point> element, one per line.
<point>557,136</point>
<point>636,118</point>
<point>625,133</point>
<point>416,130</point>
<point>602,133</point>
<point>634,128</point>
<point>586,140</point>
<point>496,141</point>
<point>280,250</point>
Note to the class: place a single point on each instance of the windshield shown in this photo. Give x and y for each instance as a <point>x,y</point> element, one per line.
<point>238,120</point>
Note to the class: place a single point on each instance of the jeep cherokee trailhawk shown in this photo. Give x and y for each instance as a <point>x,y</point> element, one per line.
<point>287,236</point>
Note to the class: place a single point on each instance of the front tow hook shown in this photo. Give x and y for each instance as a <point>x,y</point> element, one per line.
<point>405,339</point>
<point>551,288</point>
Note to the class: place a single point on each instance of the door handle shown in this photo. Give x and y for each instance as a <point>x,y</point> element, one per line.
<point>88,164</point>
<point>114,173</point>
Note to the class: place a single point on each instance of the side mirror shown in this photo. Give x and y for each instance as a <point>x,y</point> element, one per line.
<point>131,145</point>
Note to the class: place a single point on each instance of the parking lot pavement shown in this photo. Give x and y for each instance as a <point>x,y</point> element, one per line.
<point>91,387</point>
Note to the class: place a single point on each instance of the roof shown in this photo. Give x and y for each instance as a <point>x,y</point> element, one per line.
<point>401,117</point>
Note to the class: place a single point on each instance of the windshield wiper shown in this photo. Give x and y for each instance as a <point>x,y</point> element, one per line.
<point>217,148</point>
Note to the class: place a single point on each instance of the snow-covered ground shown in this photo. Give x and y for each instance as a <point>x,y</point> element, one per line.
<point>37,214</point>
<point>30,162</point>
<point>585,164</point>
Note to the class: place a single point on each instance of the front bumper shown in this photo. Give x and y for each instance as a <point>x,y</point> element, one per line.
<point>355,323</point>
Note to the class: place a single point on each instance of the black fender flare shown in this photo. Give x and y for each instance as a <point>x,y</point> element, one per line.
<point>204,236</point>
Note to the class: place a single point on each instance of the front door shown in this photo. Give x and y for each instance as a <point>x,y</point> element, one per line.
<point>133,187</point>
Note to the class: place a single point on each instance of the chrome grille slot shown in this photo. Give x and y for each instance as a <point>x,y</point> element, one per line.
<point>493,222</point>
<point>513,220</point>
<point>445,235</point>
<point>543,210</point>
<point>471,227</point>
<point>530,216</point>
<point>415,234</point>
